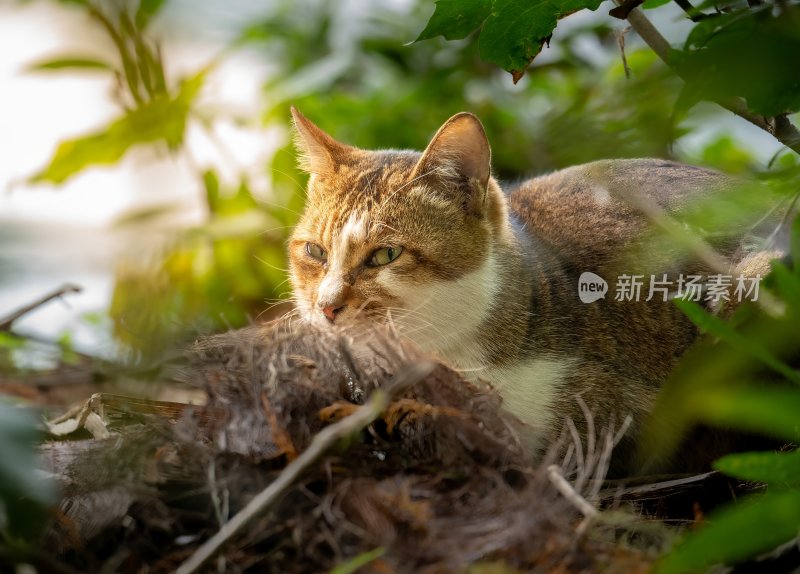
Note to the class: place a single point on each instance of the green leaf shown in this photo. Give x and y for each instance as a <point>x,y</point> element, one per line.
<point>147,9</point>
<point>456,19</point>
<point>516,30</point>
<point>767,467</point>
<point>10,341</point>
<point>771,411</point>
<point>513,31</point>
<point>719,328</point>
<point>357,562</point>
<point>737,532</point>
<point>71,63</point>
<point>161,120</point>
<point>750,52</point>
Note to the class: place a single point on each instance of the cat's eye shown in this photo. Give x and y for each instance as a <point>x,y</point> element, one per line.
<point>384,255</point>
<point>316,252</point>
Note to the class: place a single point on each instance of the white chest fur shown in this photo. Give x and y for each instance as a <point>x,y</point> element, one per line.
<point>446,317</point>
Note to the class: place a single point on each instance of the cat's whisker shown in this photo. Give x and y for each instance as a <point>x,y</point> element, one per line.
<point>265,203</point>
<point>274,229</point>
<point>270,265</point>
<point>299,186</point>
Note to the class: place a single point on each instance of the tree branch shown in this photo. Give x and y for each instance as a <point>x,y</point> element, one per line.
<point>6,322</point>
<point>779,127</point>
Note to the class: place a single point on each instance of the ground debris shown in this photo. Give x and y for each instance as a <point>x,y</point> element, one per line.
<point>439,483</point>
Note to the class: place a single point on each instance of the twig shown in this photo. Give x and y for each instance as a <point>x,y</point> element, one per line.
<point>659,489</point>
<point>5,323</point>
<point>780,127</point>
<point>322,442</point>
<point>620,36</point>
<point>568,492</point>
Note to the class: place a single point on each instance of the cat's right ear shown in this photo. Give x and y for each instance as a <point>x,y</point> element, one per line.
<point>319,152</point>
<point>459,158</point>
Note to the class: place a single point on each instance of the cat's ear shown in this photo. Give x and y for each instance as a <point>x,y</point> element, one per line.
<point>319,152</point>
<point>459,157</point>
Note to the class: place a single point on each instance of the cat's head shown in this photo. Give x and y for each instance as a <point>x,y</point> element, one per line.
<point>402,233</point>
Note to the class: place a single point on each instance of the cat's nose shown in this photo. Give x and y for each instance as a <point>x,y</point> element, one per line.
<point>331,311</point>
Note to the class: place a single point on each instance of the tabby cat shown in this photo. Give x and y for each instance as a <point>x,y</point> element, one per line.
<point>487,278</point>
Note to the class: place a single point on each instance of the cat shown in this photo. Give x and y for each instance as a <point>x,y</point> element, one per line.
<point>488,279</point>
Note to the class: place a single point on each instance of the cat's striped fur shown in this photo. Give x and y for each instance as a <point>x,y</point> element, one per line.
<point>487,278</point>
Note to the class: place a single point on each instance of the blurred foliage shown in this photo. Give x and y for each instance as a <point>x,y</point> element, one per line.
<point>153,112</point>
<point>744,377</point>
<point>24,492</point>
<point>212,278</point>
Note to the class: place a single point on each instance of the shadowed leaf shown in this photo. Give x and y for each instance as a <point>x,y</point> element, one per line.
<point>767,467</point>
<point>712,324</point>
<point>732,534</point>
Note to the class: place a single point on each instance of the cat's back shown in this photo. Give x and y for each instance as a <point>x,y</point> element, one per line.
<point>596,208</point>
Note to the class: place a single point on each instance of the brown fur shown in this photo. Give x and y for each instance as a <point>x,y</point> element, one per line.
<point>450,216</point>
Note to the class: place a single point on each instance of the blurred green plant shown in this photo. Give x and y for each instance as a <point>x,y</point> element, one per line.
<point>744,377</point>
<point>25,495</point>
<point>219,275</point>
<point>154,113</point>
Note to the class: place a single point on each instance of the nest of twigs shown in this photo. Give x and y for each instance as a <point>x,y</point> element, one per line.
<point>438,482</point>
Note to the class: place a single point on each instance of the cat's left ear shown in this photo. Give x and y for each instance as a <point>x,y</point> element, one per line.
<point>459,157</point>
<point>319,152</point>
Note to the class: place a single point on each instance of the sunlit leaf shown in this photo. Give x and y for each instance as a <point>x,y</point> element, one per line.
<point>762,466</point>
<point>768,410</point>
<point>69,64</point>
<point>9,341</point>
<point>737,532</point>
<point>147,9</point>
<point>161,120</point>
